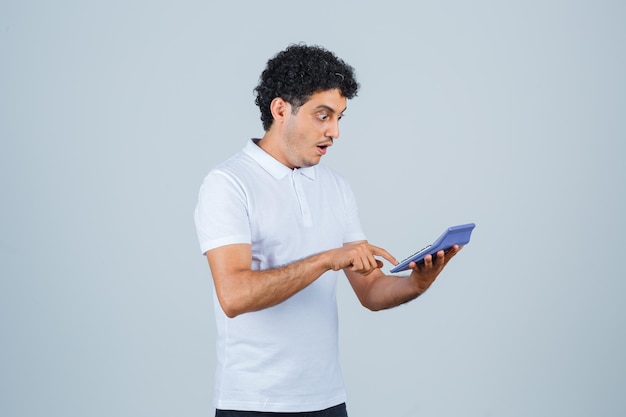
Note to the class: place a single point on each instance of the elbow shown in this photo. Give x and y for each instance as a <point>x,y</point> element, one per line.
<point>231,306</point>
<point>230,314</point>
<point>371,305</point>
<point>373,308</point>
<point>231,310</point>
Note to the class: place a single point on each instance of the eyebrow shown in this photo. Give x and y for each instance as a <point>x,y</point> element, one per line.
<point>328,108</point>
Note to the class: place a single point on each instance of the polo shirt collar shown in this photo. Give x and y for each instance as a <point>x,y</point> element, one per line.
<point>271,164</point>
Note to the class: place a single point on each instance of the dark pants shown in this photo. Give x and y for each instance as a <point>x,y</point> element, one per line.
<point>336,411</point>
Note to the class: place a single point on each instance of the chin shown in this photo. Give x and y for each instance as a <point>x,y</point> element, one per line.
<point>312,163</point>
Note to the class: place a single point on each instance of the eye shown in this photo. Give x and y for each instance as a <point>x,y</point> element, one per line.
<point>322,116</point>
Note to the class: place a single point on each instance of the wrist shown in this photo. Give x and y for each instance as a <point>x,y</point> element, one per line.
<point>321,262</point>
<point>419,285</point>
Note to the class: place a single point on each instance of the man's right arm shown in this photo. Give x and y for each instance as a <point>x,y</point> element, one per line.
<point>240,289</point>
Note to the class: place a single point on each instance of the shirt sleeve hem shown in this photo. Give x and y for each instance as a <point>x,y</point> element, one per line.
<point>216,243</point>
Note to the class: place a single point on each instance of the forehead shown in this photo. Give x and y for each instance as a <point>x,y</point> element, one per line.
<point>330,99</point>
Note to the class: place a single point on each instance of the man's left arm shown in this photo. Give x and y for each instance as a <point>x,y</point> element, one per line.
<point>377,291</point>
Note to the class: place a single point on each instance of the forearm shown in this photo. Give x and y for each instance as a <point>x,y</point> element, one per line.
<point>240,289</point>
<point>379,291</point>
<point>244,290</point>
<point>388,291</point>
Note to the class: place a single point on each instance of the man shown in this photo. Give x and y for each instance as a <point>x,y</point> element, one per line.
<point>276,227</point>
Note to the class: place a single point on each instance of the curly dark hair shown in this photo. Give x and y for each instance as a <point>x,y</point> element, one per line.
<point>299,71</point>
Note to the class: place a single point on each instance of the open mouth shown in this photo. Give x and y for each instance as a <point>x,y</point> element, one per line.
<point>322,148</point>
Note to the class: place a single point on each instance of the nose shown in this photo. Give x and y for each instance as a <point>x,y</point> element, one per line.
<point>333,130</point>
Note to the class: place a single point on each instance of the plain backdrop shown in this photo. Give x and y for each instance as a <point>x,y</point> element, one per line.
<point>509,114</point>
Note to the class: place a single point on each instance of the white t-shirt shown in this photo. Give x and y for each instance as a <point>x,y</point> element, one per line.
<point>283,358</point>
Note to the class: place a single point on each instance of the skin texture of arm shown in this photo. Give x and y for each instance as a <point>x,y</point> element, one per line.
<point>240,289</point>
<point>377,291</point>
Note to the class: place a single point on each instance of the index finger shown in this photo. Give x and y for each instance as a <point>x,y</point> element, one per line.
<point>382,252</point>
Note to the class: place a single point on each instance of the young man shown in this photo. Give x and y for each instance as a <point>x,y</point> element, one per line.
<point>276,227</point>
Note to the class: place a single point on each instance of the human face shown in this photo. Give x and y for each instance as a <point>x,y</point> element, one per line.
<point>309,132</point>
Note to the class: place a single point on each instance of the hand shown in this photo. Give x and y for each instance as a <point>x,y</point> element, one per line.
<point>359,257</point>
<point>425,273</point>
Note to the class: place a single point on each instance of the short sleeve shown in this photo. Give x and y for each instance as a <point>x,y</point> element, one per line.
<point>221,215</point>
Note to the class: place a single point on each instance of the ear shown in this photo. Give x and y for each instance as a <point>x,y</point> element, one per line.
<point>279,109</point>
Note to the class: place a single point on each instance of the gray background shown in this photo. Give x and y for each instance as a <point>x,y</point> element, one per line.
<point>507,114</point>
